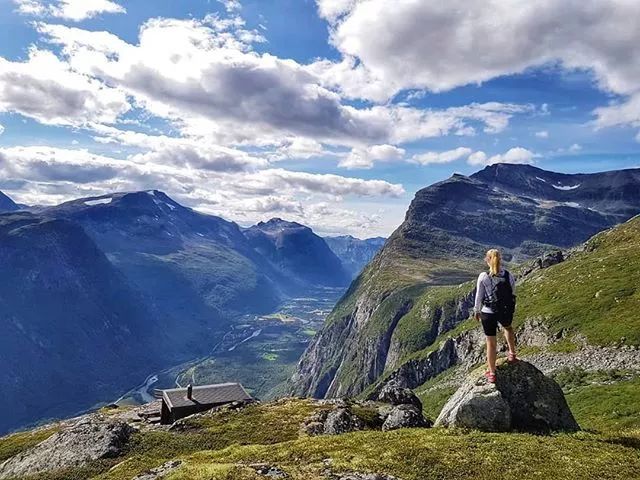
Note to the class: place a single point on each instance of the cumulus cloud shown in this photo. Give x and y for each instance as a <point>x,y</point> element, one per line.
<point>388,47</point>
<point>75,10</point>
<point>1,129</point>
<point>44,88</point>
<point>513,155</point>
<point>366,157</point>
<point>542,134</point>
<point>448,156</point>
<point>204,76</point>
<point>438,46</point>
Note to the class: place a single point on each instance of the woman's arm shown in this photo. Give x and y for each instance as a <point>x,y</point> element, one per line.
<point>480,293</point>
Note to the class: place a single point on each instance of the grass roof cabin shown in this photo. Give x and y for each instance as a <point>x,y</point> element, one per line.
<point>181,402</point>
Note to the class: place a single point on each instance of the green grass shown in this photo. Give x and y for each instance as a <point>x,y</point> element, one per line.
<point>433,401</point>
<point>422,454</point>
<point>607,407</point>
<point>221,445</point>
<point>595,292</point>
<point>18,442</point>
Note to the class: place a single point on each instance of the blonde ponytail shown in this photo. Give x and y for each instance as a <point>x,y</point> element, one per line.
<point>494,259</point>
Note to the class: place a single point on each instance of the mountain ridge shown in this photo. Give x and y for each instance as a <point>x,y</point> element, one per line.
<point>447,228</point>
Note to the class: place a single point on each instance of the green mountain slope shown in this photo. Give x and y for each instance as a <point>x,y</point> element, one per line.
<point>405,297</point>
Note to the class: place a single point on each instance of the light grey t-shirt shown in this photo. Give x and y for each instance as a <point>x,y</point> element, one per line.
<point>484,288</point>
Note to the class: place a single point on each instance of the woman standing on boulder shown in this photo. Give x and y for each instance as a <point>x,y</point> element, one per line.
<point>495,303</point>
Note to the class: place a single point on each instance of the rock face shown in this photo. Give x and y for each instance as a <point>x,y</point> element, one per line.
<point>405,416</point>
<point>354,253</point>
<point>396,395</point>
<point>522,399</point>
<point>6,204</point>
<point>342,421</point>
<point>87,440</point>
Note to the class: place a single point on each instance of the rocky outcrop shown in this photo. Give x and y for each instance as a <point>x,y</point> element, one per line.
<point>396,395</point>
<point>465,349</point>
<point>522,399</point>
<point>548,260</point>
<point>342,420</point>
<point>91,438</point>
<point>405,416</point>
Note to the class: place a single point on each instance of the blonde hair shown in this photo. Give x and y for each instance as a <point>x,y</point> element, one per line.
<point>495,261</point>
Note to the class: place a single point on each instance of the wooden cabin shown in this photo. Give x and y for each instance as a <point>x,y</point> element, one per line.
<point>181,402</point>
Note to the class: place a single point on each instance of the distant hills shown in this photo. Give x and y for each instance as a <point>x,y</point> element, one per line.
<point>99,291</point>
<point>298,253</point>
<point>354,252</point>
<point>521,209</point>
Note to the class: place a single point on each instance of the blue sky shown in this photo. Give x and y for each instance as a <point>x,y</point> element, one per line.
<point>329,112</point>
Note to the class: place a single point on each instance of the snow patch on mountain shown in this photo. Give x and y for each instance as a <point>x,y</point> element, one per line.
<point>566,187</point>
<point>98,201</point>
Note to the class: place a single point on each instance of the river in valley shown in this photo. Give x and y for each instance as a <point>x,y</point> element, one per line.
<point>260,351</point>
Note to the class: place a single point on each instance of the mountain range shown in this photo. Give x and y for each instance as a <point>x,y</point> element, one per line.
<point>97,292</point>
<point>354,253</point>
<point>410,294</point>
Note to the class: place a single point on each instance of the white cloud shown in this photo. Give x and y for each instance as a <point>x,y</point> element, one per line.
<point>1,129</point>
<point>203,76</point>
<point>448,156</point>
<point>542,134</point>
<point>46,89</point>
<point>75,10</point>
<point>231,5</point>
<point>438,46</point>
<point>194,157</point>
<point>513,155</point>
<point>366,157</point>
<point>575,148</point>
<point>620,113</point>
<point>388,47</point>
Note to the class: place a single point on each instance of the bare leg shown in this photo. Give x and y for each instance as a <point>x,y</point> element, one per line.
<point>491,353</point>
<point>510,336</point>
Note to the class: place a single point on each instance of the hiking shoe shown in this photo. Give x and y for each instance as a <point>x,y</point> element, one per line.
<point>491,377</point>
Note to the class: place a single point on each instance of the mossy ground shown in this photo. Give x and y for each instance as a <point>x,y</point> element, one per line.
<point>223,445</point>
<point>17,442</point>
<point>423,454</point>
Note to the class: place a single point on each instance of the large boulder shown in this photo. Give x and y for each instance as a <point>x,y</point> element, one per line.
<point>89,439</point>
<point>395,395</point>
<point>522,399</point>
<point>405,416</point>
<point>342,420</point>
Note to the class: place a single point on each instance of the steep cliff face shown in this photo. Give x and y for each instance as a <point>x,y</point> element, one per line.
<point>354,253</point>
<point>411,292</point>
<point>73,330</point>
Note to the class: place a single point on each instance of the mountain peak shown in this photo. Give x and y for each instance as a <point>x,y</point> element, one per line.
<point>278,223</point>
<point>6,204</point>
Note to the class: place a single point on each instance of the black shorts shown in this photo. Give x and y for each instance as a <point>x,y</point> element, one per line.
<point>490,322</point>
